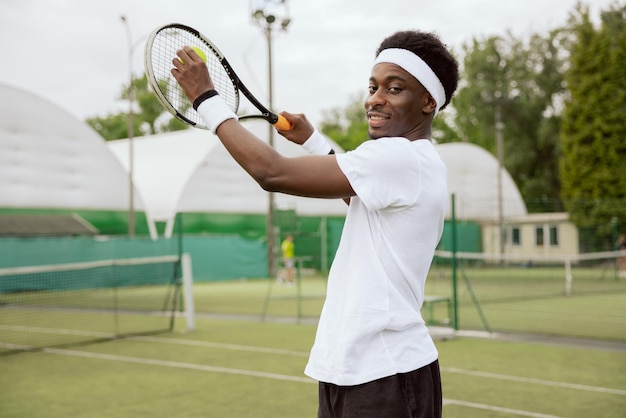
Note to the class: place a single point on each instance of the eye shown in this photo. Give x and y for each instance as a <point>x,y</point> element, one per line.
<point>372,89</point>
<point>394,89</point>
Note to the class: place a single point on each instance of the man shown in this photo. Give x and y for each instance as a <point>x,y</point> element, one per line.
<point>287,250</point>
<point>372,355</point>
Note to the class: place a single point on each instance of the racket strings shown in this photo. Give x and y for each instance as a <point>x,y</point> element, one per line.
<point>163,51</point>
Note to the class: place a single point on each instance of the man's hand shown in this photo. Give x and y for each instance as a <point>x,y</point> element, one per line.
<point>301,128</point>
<point>191,73</point>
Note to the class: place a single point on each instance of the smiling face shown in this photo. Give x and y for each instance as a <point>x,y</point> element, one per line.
<point>397,104</point>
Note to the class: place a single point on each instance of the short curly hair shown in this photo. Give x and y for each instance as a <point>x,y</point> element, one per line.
<point>429,48</point>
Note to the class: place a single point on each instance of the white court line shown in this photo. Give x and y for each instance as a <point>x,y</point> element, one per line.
<point>497,409</point>
<point>535,381</point>
<point>447,369</point>
<point>200,367</point>
<point>250,373</point>
<point>235,347</point>
<point>304,354</point>
<point>56,331</point>
<point>10,346</point>
<point>177,364</point>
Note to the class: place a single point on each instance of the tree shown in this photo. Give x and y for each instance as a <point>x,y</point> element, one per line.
<point>347,127</point>
<point>523,81</point>
<point>592,166</point>
<point>150,118</point>
<point>444,129</point>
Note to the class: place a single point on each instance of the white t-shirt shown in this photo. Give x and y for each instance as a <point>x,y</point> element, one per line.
<point>371,326</point>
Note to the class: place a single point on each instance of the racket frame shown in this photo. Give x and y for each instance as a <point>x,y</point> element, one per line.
<point>238,85</point>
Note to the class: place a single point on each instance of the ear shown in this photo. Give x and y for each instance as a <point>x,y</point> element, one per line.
<point>430,105</point>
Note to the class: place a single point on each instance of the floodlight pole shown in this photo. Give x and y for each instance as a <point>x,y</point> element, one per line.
<point>266,19</point>
<point>499,151</point>
<point>271,238</point>
<point>498,101</point>
<point>131,131</point>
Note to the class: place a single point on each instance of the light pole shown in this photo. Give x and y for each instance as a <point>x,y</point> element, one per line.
<point>131,131</point>
<point>498,101</point>
<point>500,153</point>
<point>267,14</point>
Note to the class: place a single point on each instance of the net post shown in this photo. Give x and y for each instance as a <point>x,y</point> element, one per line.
<point>298,289</point>
<point>188,291</point>
<point>568,276</point>
<point>455,302</point>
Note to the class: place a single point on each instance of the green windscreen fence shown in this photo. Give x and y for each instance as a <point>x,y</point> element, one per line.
<point>226,257</point>
<point>214,257</point>
<point>469,237</point>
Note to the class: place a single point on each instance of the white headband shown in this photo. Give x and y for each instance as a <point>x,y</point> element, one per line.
<point>415,66</point>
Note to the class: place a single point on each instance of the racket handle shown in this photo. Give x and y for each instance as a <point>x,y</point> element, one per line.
<point>282,123</point>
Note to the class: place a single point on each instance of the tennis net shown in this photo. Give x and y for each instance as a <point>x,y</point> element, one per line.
<point>581,295</point>
<point>78,303</point>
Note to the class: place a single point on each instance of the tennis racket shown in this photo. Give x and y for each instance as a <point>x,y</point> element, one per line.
<point>161,48</point>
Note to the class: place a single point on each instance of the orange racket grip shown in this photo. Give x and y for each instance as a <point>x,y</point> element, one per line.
<point>282,123</point>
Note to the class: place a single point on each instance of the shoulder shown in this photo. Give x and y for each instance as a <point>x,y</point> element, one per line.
<point>382,149</point>
<point>390,152</point>
<point>393,144</point>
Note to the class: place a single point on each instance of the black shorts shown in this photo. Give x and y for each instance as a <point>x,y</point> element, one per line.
<point>415,394</point>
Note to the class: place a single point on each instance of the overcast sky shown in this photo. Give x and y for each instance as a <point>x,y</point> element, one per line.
<point>74,53</point>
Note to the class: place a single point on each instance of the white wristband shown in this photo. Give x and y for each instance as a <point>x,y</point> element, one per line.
<point>317,144</point>
<point>214,111</point>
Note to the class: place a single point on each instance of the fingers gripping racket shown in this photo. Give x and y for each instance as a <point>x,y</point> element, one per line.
<point>161,48</point>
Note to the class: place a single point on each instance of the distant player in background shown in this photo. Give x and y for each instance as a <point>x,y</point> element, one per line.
<point>373,355</point>
<point>287,250</point>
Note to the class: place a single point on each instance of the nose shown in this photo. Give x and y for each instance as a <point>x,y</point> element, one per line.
<point>373,99</point>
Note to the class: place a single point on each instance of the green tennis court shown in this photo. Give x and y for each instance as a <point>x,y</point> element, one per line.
<point>235,364</point>
<point>235,368</point>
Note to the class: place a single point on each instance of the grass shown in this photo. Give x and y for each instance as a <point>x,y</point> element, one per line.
<point>209,373</point>
<point>255,297</point>
<point>517,304</point>
<point>246,367</point>
<point>61,385</point>
<point>549,370</point>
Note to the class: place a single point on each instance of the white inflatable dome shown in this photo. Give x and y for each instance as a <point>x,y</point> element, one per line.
<point>51,160</point>
<point>473,179</point>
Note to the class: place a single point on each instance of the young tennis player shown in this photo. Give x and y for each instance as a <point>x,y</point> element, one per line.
<point>373,355</point>
<point>287,251</point>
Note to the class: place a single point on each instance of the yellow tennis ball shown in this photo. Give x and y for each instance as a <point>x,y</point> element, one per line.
<point>198,51</point>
